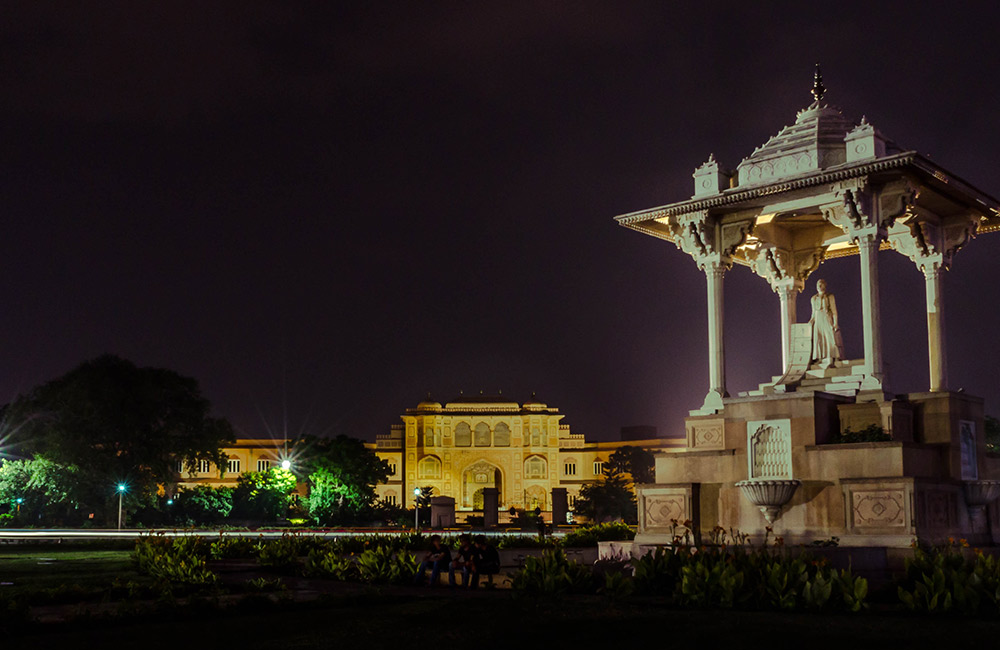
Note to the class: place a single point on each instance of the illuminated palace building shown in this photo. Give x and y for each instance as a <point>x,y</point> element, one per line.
<point>487,441</point>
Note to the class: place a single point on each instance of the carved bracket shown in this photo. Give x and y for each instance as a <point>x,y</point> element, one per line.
<point>709,243</point>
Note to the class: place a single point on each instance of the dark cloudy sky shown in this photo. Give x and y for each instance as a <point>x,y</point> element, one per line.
<point>363,205</point>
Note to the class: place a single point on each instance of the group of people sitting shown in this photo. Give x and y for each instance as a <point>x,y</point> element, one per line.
<point>473,558</point>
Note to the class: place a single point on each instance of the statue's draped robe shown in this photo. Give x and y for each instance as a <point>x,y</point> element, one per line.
<point>824,337</point>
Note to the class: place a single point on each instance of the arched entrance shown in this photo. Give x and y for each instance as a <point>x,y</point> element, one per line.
<point>477,477</point>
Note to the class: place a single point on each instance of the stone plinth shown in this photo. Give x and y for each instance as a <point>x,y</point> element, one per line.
<point>491,505</point>
<point>560,506</point>
<point>442,512</point>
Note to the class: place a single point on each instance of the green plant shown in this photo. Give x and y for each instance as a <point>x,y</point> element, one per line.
<point>871,433</point>
<point>591,535</point>
<point>553,574</point>
<point>176,560</point>
<point>656,573</point>
<point>260,585</point>
<point>281,553</point>
<point>950,578</point>
<point>326,564</point>
<point>383,565</point>
<point>234,547</point>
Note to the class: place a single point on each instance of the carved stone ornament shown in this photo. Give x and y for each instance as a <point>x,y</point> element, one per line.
<point>661,509</point>
<point>879,508</point>
<point>769,496</point>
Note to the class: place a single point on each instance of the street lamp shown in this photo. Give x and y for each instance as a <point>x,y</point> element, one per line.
<point>19,500</point>
<point>121,494</point>
<point>416,509</point>
<point>286,464</point>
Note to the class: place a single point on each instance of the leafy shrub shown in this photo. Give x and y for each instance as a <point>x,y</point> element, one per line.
<point>738,577</point>
<point>234,547</point>
<point>591,535</point>
<point>176,560</point>
<point>326,564</point>
<point>525,541</point>
<point>260,585</point>
<point>950,579</point>
<point>871,433</point>
<point>382,565</point>
<point>553,574</point>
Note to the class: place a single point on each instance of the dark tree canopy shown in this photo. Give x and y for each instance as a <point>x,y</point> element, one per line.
<point>608,499</point>
<point>634,461</point>
<point>115,422</point>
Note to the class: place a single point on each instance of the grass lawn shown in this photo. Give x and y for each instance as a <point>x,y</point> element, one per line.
<point>36,569</point>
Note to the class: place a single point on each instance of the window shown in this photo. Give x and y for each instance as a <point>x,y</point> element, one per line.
<point>263,464</point>
<point>179,466</point>
<point>430,439</point>
<point>536,437</point>
<point>392,469</point>
<point>463,435</point>
<point>204,466</point>
<point>483,435</point>
<point>390,498</point>
<point>233,466</point>
<point>569,467</point>
<point>535,467</point>
<point>598,466</point>
<point>429,467</point>
<point>501,435</point>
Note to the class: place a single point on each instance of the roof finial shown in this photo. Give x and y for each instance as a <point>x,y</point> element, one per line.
<point>818,87</point>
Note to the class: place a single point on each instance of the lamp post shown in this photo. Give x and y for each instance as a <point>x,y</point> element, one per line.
<point>286,464</point>
<point>121,494</point>
<point>416,509</point>
<point>20,500</point>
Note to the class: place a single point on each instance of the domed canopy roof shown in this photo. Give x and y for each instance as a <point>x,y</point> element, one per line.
<point>815,141</point>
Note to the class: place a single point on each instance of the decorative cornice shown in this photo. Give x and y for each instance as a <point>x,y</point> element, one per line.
<point>848,171</point>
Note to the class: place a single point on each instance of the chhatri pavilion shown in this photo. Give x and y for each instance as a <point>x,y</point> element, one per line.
<point>826,188</point>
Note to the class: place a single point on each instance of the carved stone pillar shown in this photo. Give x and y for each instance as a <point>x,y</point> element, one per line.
<point>932,243</point>
<point>716,337</point>
<point>935,329</point>
<point>787,294</point>
<point>871,320</point>
<point>711,244</point>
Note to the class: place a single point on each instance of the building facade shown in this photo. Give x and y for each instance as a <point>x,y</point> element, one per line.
<point>245,455</point>
<point>524,450</point>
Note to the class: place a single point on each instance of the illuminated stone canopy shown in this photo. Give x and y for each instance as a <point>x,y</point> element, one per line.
<point>823,188</point>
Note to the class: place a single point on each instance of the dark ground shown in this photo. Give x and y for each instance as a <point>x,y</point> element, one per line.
<point>406,617</point>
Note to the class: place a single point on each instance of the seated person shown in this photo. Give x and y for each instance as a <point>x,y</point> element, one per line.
<point>462,561</point>
<point>436,560</point>
<point>486,560</point>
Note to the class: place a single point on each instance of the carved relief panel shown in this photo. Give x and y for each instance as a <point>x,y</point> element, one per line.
<point>706,434</point>
<point>769,449</point>
<point>663,508</point>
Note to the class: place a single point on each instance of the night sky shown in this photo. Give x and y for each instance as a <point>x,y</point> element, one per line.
<point>340,211</point>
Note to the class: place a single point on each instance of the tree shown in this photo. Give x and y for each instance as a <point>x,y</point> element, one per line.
<point>39,490</point>
<point>117,423</point>
<point>637,462</point>
<point>263,496</point>
<point>608,499</point>
<point>342,475</point>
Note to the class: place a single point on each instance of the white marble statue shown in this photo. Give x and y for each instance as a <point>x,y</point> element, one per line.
<point>826,340</point>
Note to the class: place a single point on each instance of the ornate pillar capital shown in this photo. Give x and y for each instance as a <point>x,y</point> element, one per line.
<point>710,243</point>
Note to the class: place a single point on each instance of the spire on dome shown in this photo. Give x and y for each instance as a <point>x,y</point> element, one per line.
<point>818,88</point>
